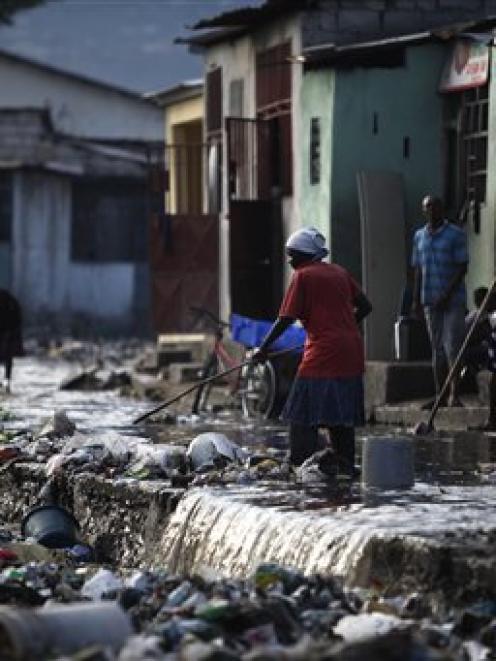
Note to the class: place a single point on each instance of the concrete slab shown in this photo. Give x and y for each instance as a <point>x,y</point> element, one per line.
<point>390,382</point>
<point>184,372</point>
<point>408,414</point>
<point>403,541</point>
<point>182,347</point>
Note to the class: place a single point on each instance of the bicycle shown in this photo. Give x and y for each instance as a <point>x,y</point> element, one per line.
<point>253,389</point>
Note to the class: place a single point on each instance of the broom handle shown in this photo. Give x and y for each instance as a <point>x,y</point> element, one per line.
<point>209,379</point>
<point>459,356</point>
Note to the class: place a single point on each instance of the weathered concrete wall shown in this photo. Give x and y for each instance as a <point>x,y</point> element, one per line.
<point>347,21</point>
<point>41,240</point>
<point>54,290</point>
<point>122,521</point>
<point>316,100</point>
<point>77,107</point>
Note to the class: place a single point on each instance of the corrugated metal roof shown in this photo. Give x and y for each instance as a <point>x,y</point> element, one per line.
<point>27,139</point>
<point>318,56</point>
<point>86,80</point>
<point>186,90</point>
<point>212,37</point>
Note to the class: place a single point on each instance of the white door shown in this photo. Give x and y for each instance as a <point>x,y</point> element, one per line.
<point>382,221</point>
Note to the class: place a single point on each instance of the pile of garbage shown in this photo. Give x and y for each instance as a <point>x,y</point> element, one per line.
<point>57,604</point>
<point>210,457</point>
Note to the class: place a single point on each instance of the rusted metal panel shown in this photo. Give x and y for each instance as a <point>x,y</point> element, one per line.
<point>184,261</point>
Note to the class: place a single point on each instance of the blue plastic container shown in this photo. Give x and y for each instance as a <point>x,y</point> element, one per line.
<point>251,332</point>
<point>51,526</point>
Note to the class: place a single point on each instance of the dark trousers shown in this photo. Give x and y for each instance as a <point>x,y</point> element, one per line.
<point>304,441</point>
<point>8,367</point>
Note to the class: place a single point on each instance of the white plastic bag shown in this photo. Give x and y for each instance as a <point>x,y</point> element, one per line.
<point>103,581</point>
<point>204,448</point>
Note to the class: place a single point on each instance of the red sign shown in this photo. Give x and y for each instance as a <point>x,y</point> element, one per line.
<point>467,66</point>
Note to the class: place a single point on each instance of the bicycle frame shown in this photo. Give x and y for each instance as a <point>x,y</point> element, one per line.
<point>227,361</point>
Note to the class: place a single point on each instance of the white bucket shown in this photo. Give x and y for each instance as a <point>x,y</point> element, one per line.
<point>387,462</point>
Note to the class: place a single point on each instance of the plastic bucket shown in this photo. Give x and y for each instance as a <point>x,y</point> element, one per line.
<point>387,462</point>
<point>51,526</point>
<point>33,633</point>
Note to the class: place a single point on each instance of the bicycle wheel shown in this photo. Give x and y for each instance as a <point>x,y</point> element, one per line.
<point>258,390</point>
<point>209,369</point>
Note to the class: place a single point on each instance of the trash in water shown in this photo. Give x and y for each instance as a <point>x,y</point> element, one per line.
<point>206,448</point>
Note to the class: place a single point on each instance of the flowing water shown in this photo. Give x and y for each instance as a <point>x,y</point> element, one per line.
<point>314,527</point>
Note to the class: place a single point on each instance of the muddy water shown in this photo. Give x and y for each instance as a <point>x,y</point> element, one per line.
<point>35,396</point>
<point>315,528</point>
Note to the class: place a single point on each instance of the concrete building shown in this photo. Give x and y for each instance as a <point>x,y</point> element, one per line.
<point>74,168</point>
<point>397,119</point>
<point>184,236</point>
<point>183,134</point>
<point>334,91</point>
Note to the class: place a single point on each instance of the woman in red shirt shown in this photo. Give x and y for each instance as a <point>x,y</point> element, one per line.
<point>328,388</point>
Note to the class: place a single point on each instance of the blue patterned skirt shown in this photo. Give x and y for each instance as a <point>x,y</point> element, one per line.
<point>315,402</point>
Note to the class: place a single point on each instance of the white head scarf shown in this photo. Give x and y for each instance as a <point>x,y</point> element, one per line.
<point>308,240</point>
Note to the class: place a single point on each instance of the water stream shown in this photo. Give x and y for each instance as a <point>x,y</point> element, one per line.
<point>314,528</point>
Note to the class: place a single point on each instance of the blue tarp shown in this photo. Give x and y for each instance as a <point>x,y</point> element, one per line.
<point>251,332</point>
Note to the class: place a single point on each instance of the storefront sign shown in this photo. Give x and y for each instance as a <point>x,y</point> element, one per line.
<point>467,66</point>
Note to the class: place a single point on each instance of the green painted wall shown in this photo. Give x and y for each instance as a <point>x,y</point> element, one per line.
<point>406,105</point>
<point>317,98</point>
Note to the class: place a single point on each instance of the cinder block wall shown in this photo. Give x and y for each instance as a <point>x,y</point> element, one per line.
<point>347,21</point>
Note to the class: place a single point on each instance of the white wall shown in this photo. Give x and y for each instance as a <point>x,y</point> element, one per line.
<point>77,107</point>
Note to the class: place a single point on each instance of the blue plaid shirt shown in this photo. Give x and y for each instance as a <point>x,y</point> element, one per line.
<point>438,255</point>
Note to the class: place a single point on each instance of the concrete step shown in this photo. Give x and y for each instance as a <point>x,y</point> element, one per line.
<point>184,372</point>
<point>182,348</point>
<point>473,414</point>
<point>391,382</point>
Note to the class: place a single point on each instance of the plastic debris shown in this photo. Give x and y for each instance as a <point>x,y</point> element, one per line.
<point>102,582</point>
<point>206,448</point>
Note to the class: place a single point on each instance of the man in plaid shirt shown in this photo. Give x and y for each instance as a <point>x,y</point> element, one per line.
<point>440,260</point>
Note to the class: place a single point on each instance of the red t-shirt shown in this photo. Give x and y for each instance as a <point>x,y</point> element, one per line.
<point>321,296</point>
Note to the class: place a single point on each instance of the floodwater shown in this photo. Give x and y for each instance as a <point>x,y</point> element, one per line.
<point>441,459</point>
<point>317,527</point>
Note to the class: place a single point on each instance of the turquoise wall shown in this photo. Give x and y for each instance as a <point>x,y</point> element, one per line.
<point>406,103</point>
<point>317,97</point>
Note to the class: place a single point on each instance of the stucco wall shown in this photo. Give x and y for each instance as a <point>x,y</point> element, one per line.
<point>79,108</point>
<point>406,105</point>
<point>316,100</point>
